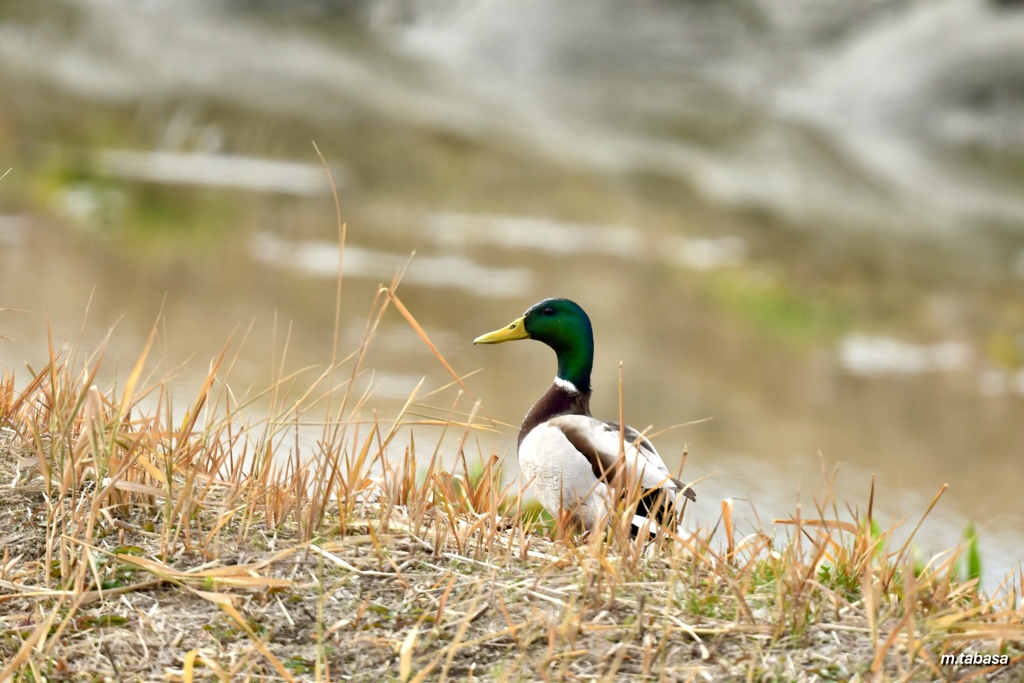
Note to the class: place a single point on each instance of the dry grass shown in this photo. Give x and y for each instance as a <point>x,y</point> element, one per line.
<point>138,543</point>
<point>137,546</point>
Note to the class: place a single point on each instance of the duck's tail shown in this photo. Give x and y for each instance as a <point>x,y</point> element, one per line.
<point>662,506</point>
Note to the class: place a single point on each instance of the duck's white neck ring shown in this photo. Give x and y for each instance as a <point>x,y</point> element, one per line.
<point>566,385</point>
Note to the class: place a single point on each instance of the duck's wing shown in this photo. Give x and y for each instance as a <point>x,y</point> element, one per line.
<point>599,443</point>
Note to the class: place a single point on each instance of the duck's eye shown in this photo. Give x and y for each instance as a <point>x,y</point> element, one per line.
<point>549,311</point>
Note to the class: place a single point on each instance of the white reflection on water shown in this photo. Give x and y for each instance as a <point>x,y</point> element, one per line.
<point>220,170</point>
<point>12,229</point>
<point>707,253</point>
<point>533,233</point>
<point>872,356</point>
<point>993,382</point>
<point>558,237</point>
<point>320,259</point>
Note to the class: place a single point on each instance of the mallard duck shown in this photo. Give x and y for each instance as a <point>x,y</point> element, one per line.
<point>570,458</point>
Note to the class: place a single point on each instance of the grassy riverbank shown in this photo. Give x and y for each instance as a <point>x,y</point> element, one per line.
<point>141,542</point>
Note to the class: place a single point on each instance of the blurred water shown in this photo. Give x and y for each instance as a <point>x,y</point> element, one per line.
<point>800,219</point>
<point>873,110</point>
<point>880,112</point>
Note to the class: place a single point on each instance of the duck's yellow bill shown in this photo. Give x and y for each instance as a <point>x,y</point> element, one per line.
<point>511,332</point>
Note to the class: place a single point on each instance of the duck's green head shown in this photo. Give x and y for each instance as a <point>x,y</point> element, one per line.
<point>562,325</point>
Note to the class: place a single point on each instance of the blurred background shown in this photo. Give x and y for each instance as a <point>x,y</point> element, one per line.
<point>803,219</point>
